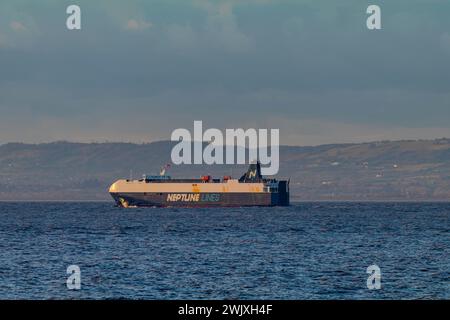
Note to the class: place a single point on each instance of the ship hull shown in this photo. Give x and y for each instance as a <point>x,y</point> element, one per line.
<point>198,200</point>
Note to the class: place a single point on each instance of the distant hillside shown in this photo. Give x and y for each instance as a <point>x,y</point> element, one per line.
<point>399,170</point>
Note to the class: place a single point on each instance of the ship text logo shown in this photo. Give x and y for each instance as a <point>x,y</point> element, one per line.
<point>193,197</point>
<point>239,147</point>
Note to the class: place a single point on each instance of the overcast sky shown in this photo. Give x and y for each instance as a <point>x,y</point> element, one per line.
<point>139,69</point>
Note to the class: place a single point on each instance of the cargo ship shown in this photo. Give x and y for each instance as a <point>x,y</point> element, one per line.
<point>252,189</point>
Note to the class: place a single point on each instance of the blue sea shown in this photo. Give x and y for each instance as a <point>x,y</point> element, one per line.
<point>305,251</point>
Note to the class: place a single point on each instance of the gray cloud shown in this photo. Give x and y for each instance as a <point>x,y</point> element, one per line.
<point>139,69</point>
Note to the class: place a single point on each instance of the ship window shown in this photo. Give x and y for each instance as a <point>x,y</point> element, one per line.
<point>269,189</point>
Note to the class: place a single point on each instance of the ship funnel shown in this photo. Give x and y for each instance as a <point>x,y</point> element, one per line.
<point>253,173</point>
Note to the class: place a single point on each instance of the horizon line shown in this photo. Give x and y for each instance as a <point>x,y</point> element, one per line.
<point>159,141</point>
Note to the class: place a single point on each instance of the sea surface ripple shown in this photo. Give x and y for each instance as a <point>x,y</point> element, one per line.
<point>315,250</point>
